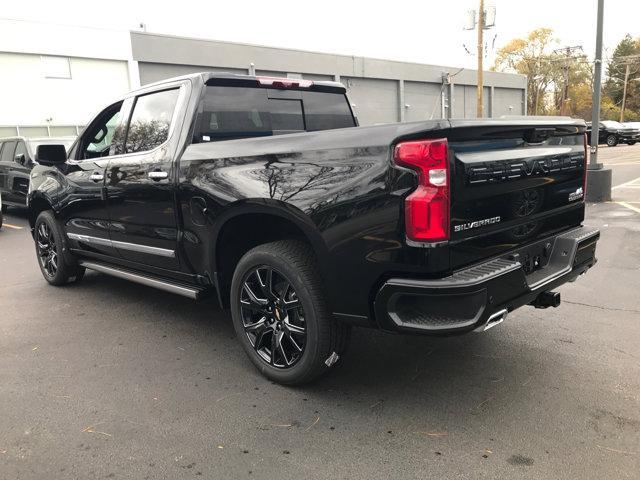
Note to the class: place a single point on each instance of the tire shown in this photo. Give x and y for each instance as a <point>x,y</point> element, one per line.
<point>51,252</point>
<point>293,300</point>
<point>612,140</point>
<point>631,143</point>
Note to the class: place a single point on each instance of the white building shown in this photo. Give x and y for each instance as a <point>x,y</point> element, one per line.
<point>54,77</point>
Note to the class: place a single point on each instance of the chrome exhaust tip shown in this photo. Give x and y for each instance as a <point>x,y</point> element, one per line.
<point>493,320</point>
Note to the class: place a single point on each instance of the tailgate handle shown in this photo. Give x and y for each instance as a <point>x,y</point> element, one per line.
<point>538,134</point>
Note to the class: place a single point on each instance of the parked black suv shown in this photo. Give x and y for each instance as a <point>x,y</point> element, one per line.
<point>264,191</point>
<point>613,133</point>
<point>16,162</point>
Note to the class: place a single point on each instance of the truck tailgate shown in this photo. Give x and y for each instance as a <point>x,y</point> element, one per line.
<point>512,184</point>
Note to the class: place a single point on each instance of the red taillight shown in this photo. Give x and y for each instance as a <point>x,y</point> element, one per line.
<point>426,210</point>
<point>587,155</point>
<point>278,82</point>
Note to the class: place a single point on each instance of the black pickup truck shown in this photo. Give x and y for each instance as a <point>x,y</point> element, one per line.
<point>612,133</point>
<point>266,193</point>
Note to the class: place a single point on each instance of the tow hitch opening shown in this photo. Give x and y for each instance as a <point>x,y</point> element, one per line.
<point>546,300</point>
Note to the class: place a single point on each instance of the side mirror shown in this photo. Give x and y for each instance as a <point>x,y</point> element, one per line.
<point>20,158</point>
<point>51,154</point>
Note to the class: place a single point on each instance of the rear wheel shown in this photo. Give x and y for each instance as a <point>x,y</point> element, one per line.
<point>50,250</point>
<point>280,313</point>
<point>612,140</point>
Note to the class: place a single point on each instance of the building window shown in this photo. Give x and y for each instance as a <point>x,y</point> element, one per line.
<point>56,67</point>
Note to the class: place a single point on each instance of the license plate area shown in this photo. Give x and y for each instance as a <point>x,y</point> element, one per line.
<point>534,257</point>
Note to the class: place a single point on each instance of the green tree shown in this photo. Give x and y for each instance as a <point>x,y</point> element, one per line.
<point>530,56</point>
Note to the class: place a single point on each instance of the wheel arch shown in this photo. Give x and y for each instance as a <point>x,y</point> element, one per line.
<point>251,223</point>
<point>38,203</point>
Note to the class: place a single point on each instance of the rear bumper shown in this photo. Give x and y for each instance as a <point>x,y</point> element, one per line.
<point>471,298</point>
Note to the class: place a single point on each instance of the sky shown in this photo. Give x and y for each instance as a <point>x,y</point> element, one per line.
<point>427,31</point>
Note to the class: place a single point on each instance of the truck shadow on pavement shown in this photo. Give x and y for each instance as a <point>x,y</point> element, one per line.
<point>380,372</point>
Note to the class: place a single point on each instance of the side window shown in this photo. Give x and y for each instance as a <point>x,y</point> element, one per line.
<point>150,120</point>
<point>21,149</point>
<point>7,151</point>
<point>105,136</point>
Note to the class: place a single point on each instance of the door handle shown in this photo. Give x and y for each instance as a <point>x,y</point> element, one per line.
<point>96,177</point>
<point>157,175</point>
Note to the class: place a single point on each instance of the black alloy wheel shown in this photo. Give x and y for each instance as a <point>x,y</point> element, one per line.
<point>47,250</point>
<point>280,313</point>
<point>273,317</point>
<point>612,140</point>
<point>58,267</point>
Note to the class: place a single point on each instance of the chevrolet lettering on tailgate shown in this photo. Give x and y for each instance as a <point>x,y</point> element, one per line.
<point>491,172</point>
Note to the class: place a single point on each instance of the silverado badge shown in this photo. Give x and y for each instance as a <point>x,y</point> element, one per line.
<point>476,224</point>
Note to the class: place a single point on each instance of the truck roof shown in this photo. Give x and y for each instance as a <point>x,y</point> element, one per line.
<point>230,78</point>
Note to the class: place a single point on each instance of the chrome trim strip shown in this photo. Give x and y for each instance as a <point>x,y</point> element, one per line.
<point>134,247</point>
<point>192,293</point>
<point>91,240</point>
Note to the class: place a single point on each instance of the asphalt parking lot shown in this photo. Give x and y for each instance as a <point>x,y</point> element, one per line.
<point>109,379</point>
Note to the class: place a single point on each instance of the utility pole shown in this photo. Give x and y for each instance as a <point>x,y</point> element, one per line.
<point>627,60</point>
<point>624,92</point>
<point>480,104</point>
<point>482,20</point>
<point>569,54</point>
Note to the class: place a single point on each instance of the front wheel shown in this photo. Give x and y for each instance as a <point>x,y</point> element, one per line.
<point>50,252</point>
<point>631,143</point>
<point>612,140</point>
<point>280,313</point>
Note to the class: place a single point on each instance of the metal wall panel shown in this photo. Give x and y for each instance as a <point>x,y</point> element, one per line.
<point>508,101</point>
<point>8,132</point>
<point>34,132</point>
<point>154,72</point>
<point>63,131</point>
<point>465,103</point>
<point>373,85</point>
<point>375,100</point>
<point>318,78</point>
<point>270,73</point>
<point>157,48</point>
<point>422,101</point>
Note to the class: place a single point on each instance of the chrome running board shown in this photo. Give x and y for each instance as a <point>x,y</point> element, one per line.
<point>185,291</point>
